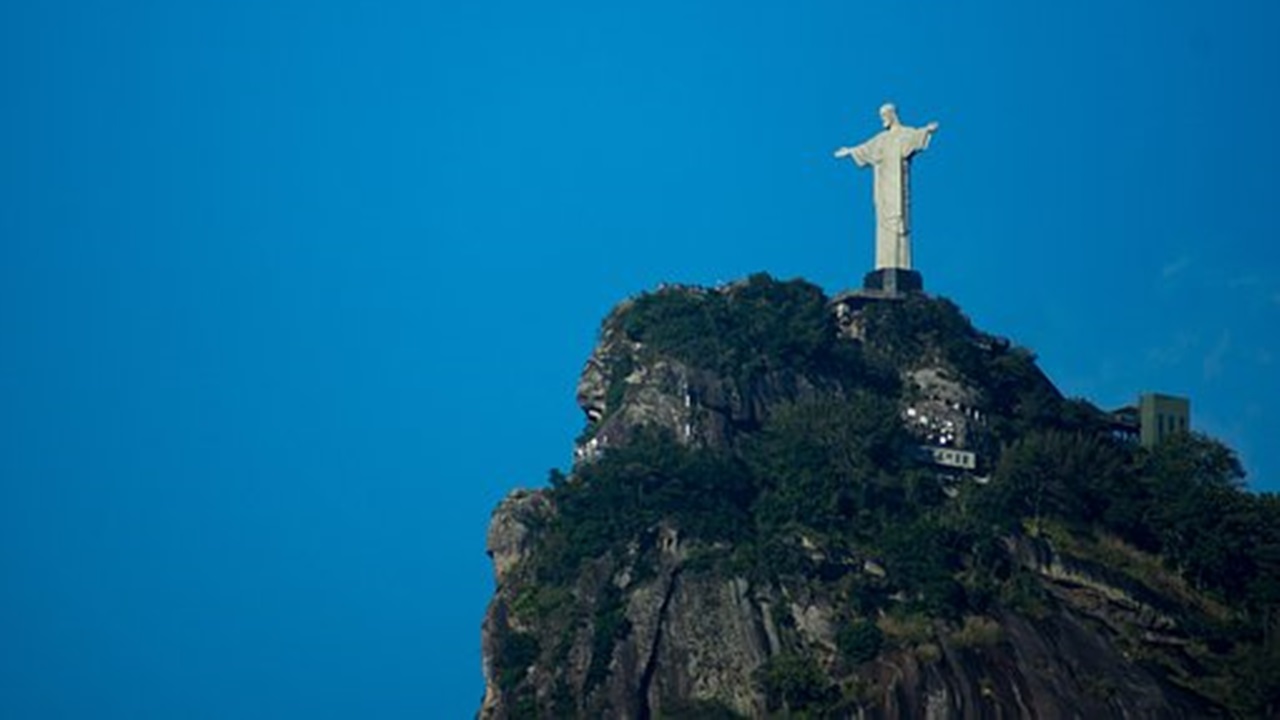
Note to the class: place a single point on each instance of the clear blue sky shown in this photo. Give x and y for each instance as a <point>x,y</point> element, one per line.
<point>292,293</point>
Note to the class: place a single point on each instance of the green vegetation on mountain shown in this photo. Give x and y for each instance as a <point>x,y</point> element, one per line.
<point>763,325</point>
<point>828,487</point>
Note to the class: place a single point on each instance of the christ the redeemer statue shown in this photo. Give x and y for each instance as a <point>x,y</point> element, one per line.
<point>889,152</point>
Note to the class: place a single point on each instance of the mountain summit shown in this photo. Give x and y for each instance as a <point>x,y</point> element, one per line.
<point>789,505</point>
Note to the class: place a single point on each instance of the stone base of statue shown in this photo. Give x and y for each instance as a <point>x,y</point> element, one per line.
<point>893,281</point>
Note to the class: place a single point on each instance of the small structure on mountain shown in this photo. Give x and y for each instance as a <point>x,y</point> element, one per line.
<point>1154,418</point>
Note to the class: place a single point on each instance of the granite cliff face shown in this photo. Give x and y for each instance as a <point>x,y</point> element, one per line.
<point>755,527</point>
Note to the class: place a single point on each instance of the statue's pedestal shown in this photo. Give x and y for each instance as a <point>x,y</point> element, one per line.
<point>893,281</point>
<point>883,285</point>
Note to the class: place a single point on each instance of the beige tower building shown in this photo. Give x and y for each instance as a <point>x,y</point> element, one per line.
<point>1160,416</point>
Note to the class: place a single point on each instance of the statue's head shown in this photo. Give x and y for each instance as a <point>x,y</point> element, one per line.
<point>888,115</point>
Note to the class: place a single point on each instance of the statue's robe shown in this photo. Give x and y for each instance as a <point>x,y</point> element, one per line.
<point>889,152</point>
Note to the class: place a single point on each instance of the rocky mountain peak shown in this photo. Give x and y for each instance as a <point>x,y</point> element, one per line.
<point>786,505</point>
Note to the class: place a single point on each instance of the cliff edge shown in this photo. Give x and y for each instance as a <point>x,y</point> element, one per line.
<point>785,505</point>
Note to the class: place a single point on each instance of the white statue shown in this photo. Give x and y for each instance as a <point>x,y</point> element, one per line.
<point>889,152</point>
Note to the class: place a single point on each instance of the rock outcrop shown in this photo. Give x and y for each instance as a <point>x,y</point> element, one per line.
<point>668,624</point>
<point>697,641</point>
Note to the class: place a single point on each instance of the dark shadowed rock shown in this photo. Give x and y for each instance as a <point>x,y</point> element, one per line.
<point>613,601</point>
